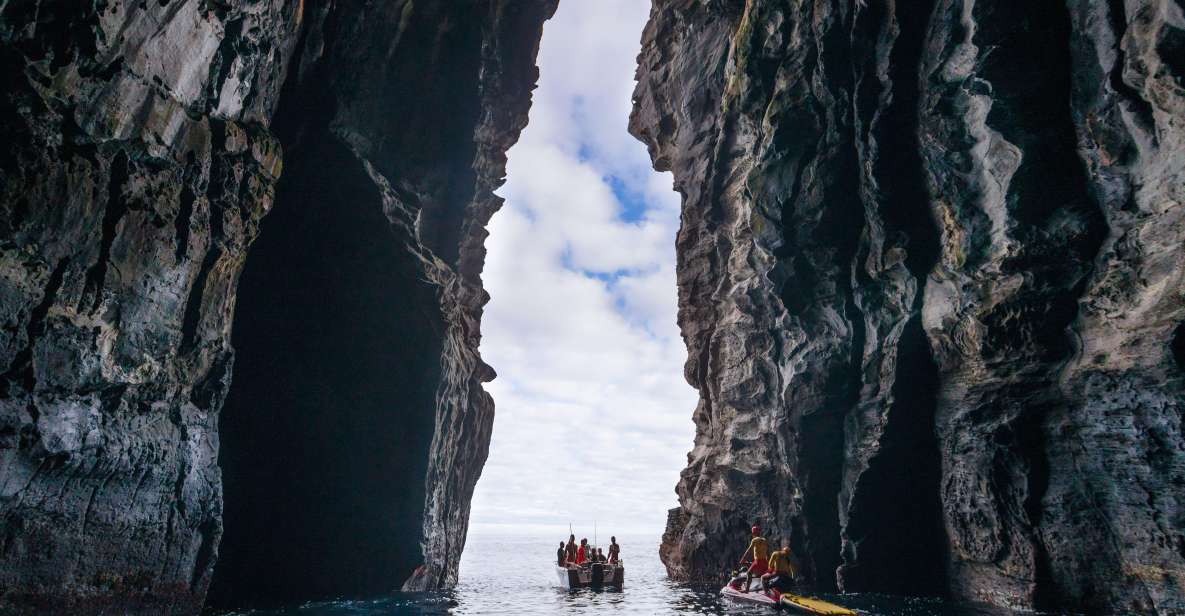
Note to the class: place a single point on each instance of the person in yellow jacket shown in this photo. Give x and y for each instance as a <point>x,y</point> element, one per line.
<point>759,550</point>
<point>781,570</point>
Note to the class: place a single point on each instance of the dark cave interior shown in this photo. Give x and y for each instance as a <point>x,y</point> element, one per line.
<point>325,432</point>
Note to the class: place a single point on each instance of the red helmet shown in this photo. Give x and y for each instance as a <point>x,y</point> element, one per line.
<point>756,530</point>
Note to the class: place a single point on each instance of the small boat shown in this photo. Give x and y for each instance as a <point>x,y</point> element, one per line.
<point>592,575</point>
<point>795,603</point>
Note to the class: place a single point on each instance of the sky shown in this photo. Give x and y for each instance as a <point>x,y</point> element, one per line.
<point>593,416</point>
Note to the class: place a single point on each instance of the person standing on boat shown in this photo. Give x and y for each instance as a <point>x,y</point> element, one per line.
<point>759,550</point>
<point>570,557</point>
<point>561,556</point>
<point>582,553</point>
<point>614,550</point>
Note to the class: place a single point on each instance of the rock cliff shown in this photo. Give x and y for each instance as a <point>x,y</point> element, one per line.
<point>931,280</point>
<point>142,149</point>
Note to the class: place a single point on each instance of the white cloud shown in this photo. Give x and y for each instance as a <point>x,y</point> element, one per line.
<point>593,416</point>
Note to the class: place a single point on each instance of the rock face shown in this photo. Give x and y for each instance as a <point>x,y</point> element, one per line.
<point>142,149</point>
<point>932,284</point>
<point>366,291</point>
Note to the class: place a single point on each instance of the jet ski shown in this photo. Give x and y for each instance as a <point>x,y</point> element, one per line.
<point>788,601</point>
<point>756,595</point>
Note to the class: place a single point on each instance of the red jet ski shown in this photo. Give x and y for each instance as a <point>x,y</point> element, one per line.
<point>787,601</point>
<point>732,590</point>
<point>756,595</point>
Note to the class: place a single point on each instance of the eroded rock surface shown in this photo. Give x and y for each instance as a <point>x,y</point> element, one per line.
<point>142,148</point>
<point>402,112</point>
<point>137,165</point>
<point>931,282</point>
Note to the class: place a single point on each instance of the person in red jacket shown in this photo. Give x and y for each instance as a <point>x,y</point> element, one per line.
<point>582,554</point>
<point>571,550</point>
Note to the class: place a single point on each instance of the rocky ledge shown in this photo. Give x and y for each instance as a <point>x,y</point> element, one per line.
<point>142,149</point>
<point>931,276</point>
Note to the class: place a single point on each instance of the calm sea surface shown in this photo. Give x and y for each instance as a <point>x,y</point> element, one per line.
<point>514,575</point>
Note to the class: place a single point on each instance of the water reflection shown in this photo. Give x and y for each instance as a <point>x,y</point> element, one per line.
<point>514,575</point>
<point>688,599</point>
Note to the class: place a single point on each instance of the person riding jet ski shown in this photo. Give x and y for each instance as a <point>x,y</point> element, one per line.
<point>781,570</point>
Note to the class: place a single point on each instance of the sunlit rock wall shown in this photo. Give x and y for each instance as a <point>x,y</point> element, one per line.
<point>931,283</point>
<point>139,156</point>
<point>136,167</point>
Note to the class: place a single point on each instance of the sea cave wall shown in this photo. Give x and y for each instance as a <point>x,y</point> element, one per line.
<point>145,144</point>
<point>930,278</point>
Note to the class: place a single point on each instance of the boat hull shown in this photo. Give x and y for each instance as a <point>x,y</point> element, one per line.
<point>595,576</point>
<point>787,601</point>
<point>756,595</point>
<point>809,605</point>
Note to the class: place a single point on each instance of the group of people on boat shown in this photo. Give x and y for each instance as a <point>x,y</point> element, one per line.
<point>776,570</point>
<point>572,555</point>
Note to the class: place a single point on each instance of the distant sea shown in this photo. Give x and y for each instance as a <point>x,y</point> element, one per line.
<point>514,575</point>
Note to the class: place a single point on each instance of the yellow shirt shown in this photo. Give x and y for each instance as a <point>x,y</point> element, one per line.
<point>759,548</point>
<point>779,563</point>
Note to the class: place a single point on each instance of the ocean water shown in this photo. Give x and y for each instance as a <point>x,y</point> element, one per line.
<point>514,575</point>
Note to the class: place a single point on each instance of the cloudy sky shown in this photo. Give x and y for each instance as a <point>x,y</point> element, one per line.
<point>593,415</point>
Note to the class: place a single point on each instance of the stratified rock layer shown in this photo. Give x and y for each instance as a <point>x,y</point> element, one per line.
<point>931,281</point>
<point>140,155</point>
